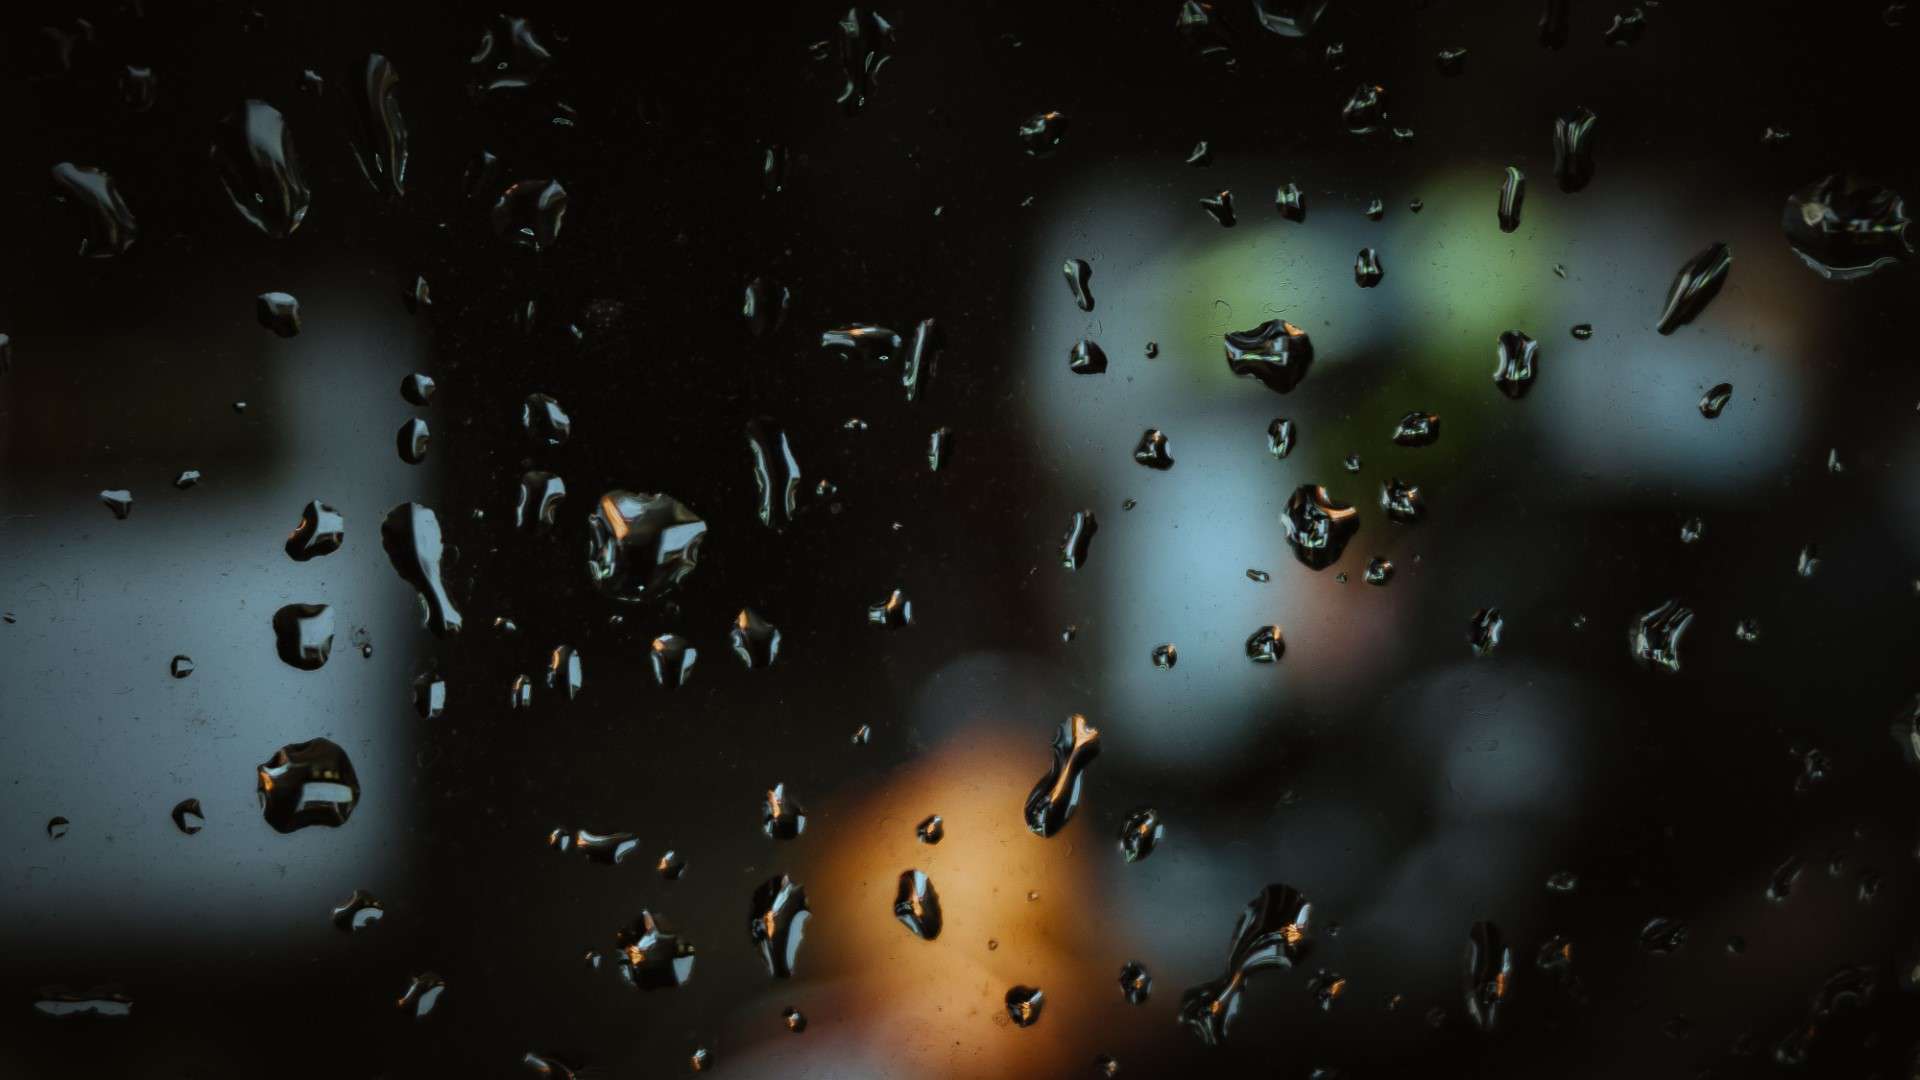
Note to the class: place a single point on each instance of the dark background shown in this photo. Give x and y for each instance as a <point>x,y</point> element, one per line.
<point>1407,789</point>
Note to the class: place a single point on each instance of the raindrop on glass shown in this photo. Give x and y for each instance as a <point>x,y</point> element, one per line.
<point>1316,527</point>
<point>917,905</point>
<point>1056,795</point>
<point>187,816</point>
<point>1140,834</point>
<point>1654,638</point>
<point>278,312</point>
<point>360,911</point>
<point>307,783</point>
<point>303,635</point>
<point>1698,281</point>
<point>1514,360</point>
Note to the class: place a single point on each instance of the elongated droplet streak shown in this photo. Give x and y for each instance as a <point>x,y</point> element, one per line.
<point>1057,794</point>
<point>1513,191</point>
<point>1272,934</point>
<point>1489,975</point>
<point>1698,282</point>
<point>777,923</point>
<point>411,536</point>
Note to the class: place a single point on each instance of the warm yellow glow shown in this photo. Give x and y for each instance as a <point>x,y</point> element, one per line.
<point>612,515</point>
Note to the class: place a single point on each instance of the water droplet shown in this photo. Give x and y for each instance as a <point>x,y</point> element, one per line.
<point>379,132</point>
<point>1055,797</point>
<point>1809,561</point>
<point>672,657</point>
<point>1326,987</point>
<point>894,612</point>
<point>1128,504</point>
<point>180,667</point>
<point>1626,29</point>
<point>1079,282</point>
<point>700,1060</point>
<point>564,673</point>
<point>777,480</point>
<point>1317,527</point>
<point>253,154</point>
<point>1417,429</point>
<point>1165,656</point>
<point>417,389</point>
<point>1489,975</point>
<point>1402,501</point>
<point>862,735</point>
<point>864,40</point>
<point>118,500</point>
<point>303,635</point>
<point>1152,450</point>
<point>938,443</point>
<point>57,827</point>
<point>1780,884</point>
<point>520,693</point>
<point>1276,352</point>
<point>1698,282</point>
<point>278,312</point>
<point>1289,18</point>
<point>1376,209</point>
<point>923,357</point>
<point>1513,192</point>
<point>308,783</point>
<point>931,829</point>
<point>765,306</point>
<point>429,695</point>
<point>110,227</point>
<point>1814,769</point>
<point>1867,886</point>
<point>1365,110</point>
<point>1153,350</point>
<point>1654,638</point>
<point>651,957</point>
<point>412,440</point>
<point>641,546</point>
<point>422,995</point>
<point>1280,433</point>
<point>1367,271</point>
<point>1692,529</point>
<point>782,816</point>
<point>544,421</point>
<point>360,911</point>
<point>1380,570</point>
<point>1086,358</point>
<point>755,640</point>
<point>1451,62</point>
<point>1573,149</point>
<point>795,1021</point>
<point>1582,331</point>
<point>1219,207</point>
<point>1290,202</point>
<point>1135,983</point>
<point>1266,645</point>
<point>1416,205</point>
<point>549,1067</point>
<point>416,296</point>
<point>773,169</point>
<point>1272,933</point>
<point>1484,630</point>
<point>671,866</point>
<point>65,1004</point>
<point>778,922</point>
<point>1846,228</point>
<point>1023,1005</point>
<point>1715,400</point>
<point>1073,546</point>
<point>1042,133</point>
<point>411,536</point>
<point>1352,463</point>
<point>1563,881</point>
<point>1662,935</point>
<point>1106,1066</point>
<point>1140,834</point>
<point>1514,360</point>
<point>992,945</point>
<point>917,905</point>
<point>537,500</point>
<point>529,213</point>
<point>187,478</point>
<point>187,816</point>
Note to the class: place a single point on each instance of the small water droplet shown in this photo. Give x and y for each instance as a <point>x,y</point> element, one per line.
<point>1365,110</point>
<point>278,312</point>
<point>1140,834</point>
<point>1023,1005</point>
<point>917,906</point>
<point>360,912</point>
<point>187,816</point>
<point>1626,28</point>
<point>1068,633</point>
<point>700,1060</point>
<point>671,865</point>
<point>931,829</point>
<point>1654,637</point>
<point>1079,282</point>
<point>1563,881</point>
<point>1809,561</point>
<point>1351,463</point>
<point>1402,501</point>
<point>412,440</point>
<point>101,1003</point>
<point>1780,884</point>
<point>1380,570</point>
<point>307,783</point>
<point>1692,529</point>
<point>1451,62</point>
<point>1484,630</point>
<point>1103,1065</point>
<point>1573,140</point>
<point>862,735</point>
<point>1153,350</point>
<point>1376,209</point>
<point>118,500</point>
<point>1513,192</point>
<point>1747,630</point>
<point>1135,984</point>
<point>1152,450</point>
<point>1326,987</point>
<point>651,957</point>
<point>258,168</point>
<point>1260,576</point>
<point>1056,795</point>
<point>672,658</point>
<point>1042,133</point>
<point>180,667</point>
<point>1316,527</point>
<point>795,1021</point>
<point>894,612</point>
<point>782,817</point>
<point>1715,400</point>
<point>778,923</point>
<point>1266,645</point>
<point>1219,207</point>
<point>1081,527</point>
<point>1280,435</point>
<point>529,213</point>
<point>764,306</point>
<point>1698,281</point>
<point>1165,656</point>
<point>1290,202</point>
<point>303,635</point>
<point>1662,935</point>
<point>1367,271</point>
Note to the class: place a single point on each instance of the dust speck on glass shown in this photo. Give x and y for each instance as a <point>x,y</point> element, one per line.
<point>962,489</point>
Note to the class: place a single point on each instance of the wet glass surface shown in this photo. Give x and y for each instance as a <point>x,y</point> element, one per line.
<point>1529,598</point>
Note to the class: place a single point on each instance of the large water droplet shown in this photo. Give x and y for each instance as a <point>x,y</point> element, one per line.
<point>544,421</point>
<point>1079,282</point>
<point>782,817</point>
<point>303,635</point>
<point>1654,638</point>
<point>360,911</point>
<point>1573,148</point>
<point>1715,400</point>
<point>672,658</point>
<point>1054,798</point>
<point>529,213</point>
<point>1367,271</point>
<point>1042,133</point>
<point>537,500</point>
<point>917,905</point>
<point>1266,645</point>
<point>1513,192</point>
<point>278,312</point>
<point>1086,358</point>
<point>1272,933</point>
<point>1847,228</point>
<point>651,957</point>
<point>1366,109</point>
<point>1316,527</point>
<point>111,229</point>
<point>1514,360</point>
<point>1489,975</point>
<point>411,536</point>
<point>755,640</point>
<point>777,482</point>
<point>379,132</point>
<point>865,340</point>
<point>1023,1005</point>
<point>640,546</point>
<point>1141,833</point>
<point>308,783</point>
<point>1698,282</point>
<point>254,156</point>
<point>778,921</point>
<point>1276,352</point>
<point>321,531</point>
<point>412,441</point>
<point>1079,536</point>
